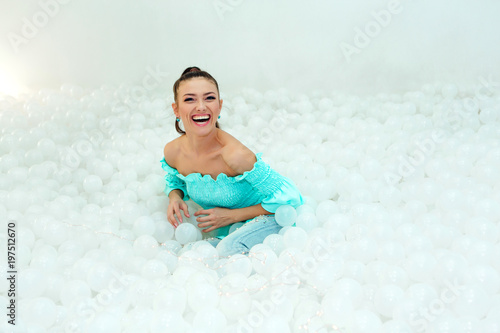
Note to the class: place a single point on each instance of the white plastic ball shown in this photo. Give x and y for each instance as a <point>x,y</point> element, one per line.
<point>295,237</point>
<point>275,242</point>
<point>325,209</point>
<point>407,310</point>
<point>337,310</point>
<point>146,246</point>
<point>395,275</point>
<point>172,246</point>
<point>24,233</point>
<point>206,251</point>
<point>164,321</point>
<point>279,323</point>
<point>490,325</point>
<point>104,170</point>
<point>470,324</point>
<point>371,169</point>
<point>354,270</point>
<point>92,184</point>
<point>201,296</point>
<point>146,190</point>
<point>239,263</point>
<point>99,276</point>
<point>285,215</point>
<point>44,257</point>
<point>186,233</point>
<point>47,147</point>
<point>136,320</point>
<point>323,275</point>
<point>396,326</point>
<point>364,249</point>
<point>164,231</point>
<point>144,225</point>
<point>210,321</point>
<point>235,305</point>
<point>387,298</point>
<point>390,196</point>
<point>262,257</point>
<point>308,207</point>
<point>31,282</point>
<point>486,276</point>
<point>42,311</point>
<point>307,221</point>
<point>391,252</point>
<point>74,290</point>
<point>471,300</point>
<point>55,232</point>
<point>365,321</point>
<point>154,269</point>
<point>170,299</point>
<point>445,323</point>
<point>348,288</point>
<point>16,200</point>
<point>422,293</point>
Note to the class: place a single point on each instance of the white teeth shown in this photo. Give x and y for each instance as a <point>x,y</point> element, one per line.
<point>201,117</point>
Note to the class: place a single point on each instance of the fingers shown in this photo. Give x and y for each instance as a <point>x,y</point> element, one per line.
<point>174,215</point>
<point>205,225</point>
<point>209,229</point>
<point>203,212</point>
<point>204,218</point>
<point>171,220</point>
<point>173,212</point>
<point>184,208</point>
<point>178,214</point>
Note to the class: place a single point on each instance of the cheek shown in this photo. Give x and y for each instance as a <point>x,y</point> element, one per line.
<point>183,111</point>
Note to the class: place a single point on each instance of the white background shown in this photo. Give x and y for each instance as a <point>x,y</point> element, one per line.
<point>258,44</point>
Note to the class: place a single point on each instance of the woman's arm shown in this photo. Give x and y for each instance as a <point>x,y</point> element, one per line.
<point>247,213</point>
<point>221,217</point>
<point>175,188</point>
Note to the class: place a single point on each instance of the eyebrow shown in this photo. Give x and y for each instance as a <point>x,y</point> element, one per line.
<point>189,94</point>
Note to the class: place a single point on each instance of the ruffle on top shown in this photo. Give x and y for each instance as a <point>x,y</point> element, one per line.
<point>173,182</point>
<point>261,185</point>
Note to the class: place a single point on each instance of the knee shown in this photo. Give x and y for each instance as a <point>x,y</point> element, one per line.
<point>228,247</point>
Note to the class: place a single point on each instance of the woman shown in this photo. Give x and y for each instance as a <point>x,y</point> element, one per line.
<point>218,172</point>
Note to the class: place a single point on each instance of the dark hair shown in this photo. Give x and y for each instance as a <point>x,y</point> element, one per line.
<point>189,73</point>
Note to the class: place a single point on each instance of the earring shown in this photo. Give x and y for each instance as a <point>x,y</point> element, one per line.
<point>218,117</point>
<point>178,119</point>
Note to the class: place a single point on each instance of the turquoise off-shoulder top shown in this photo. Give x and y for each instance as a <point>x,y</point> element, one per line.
<point>261,185</point>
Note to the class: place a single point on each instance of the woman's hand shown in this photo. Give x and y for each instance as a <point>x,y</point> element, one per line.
<point>216,218</point>
<point>175,205</point>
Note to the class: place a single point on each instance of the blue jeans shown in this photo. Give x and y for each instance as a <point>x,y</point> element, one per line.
<point>249,234</point>
<point>245,237</point>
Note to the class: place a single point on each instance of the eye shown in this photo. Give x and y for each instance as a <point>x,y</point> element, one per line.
<point>189,99</point>
<point>211,97</point>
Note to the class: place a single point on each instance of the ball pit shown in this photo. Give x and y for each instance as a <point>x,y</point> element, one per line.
<point>399,232</point>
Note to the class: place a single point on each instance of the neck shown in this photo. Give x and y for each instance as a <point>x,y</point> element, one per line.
<point>202,145</point>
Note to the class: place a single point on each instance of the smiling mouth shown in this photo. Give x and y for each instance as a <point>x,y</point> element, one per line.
<point>201,120</point>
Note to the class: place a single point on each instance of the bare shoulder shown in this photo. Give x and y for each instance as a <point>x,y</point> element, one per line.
<point>171,151</point>
<point>237,156</point>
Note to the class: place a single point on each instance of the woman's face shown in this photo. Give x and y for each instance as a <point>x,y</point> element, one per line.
<point>198,105</point>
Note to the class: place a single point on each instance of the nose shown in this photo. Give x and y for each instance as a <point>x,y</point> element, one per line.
<point>200,105</point>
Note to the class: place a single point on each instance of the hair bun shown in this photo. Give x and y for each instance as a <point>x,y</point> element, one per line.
<point>191,69</point>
